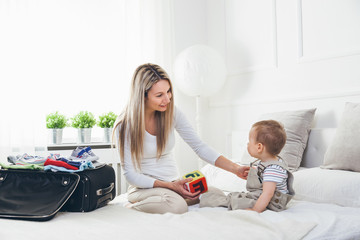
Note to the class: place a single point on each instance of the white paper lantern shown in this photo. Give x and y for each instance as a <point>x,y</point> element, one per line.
<point>199,71</point>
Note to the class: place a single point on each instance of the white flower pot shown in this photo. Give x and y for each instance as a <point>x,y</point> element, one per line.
<point>55,135</point>
<point>84,135</point>
<point>107,135</point>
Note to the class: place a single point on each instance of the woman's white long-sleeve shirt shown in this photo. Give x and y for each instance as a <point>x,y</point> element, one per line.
<point>164,168</point>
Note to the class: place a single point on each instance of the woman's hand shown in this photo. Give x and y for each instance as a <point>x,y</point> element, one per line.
<point>238,170</point>
<point>178,186</point>
<point>242,171</point>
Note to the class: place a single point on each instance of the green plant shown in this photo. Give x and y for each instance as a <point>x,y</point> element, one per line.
<point>107,120</point>
<point>56,120</point>
<point>83,119</point>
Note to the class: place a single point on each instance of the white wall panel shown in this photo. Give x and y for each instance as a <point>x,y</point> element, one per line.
<point>328,28</point>
<point>250,35</point>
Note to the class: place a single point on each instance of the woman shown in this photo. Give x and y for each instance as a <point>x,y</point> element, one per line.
<point>145,138</point>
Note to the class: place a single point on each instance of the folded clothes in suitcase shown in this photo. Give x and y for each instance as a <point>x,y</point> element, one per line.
<point>34,195</point>
<point>39,195</point>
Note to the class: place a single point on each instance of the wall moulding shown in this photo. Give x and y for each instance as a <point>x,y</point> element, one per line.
<point>316,57</point>
<point>314,96</point>
<point>330,56</point>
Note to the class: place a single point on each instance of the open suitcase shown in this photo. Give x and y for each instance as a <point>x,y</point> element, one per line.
<point>39,195</point>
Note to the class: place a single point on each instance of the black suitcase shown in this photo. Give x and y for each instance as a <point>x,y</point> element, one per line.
<point>95,189</point>
<point>34,195</point>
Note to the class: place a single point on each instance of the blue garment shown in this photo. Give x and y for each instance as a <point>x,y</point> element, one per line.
<point>72,163</point>
<point>84,165</point>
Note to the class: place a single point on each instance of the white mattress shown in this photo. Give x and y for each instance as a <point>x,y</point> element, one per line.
<point>331,221</point>
<point>322,221</point>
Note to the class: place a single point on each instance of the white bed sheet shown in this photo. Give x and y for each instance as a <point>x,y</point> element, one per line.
<point>332,221</point>
<point>324,221</point>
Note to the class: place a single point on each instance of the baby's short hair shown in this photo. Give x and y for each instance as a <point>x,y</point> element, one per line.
<point>271,134</point>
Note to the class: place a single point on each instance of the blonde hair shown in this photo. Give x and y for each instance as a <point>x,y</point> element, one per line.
<point>132,119</point>
<point>271,134</point>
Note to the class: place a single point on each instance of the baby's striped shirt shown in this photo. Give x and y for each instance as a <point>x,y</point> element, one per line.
<point>277,174</point>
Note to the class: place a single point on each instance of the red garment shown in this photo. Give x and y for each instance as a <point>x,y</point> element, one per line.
<point>59,164</point>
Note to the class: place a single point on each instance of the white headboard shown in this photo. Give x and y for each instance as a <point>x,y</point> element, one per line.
<point>318,142</point>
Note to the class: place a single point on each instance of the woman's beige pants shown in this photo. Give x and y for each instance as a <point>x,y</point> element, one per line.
<point>156,200</point>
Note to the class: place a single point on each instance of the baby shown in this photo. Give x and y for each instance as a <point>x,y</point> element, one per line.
<point>269,183</point>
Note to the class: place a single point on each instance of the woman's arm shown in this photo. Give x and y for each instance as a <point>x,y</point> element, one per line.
<point>205,152</point>
<point>226,164</point>
<point>189,135</point>
<point>265,197</point>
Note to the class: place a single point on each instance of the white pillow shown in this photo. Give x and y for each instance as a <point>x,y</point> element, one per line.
<point>297,125</point>
<point>344,151</point>
<point>224,180</point>
<point>327,186</point>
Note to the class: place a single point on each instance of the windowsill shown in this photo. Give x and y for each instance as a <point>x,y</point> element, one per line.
<point>72,146</point>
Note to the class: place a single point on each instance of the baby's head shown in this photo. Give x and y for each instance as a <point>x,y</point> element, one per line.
<point>271,134</point>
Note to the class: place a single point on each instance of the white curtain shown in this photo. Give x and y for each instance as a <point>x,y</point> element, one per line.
<point>72,55</point>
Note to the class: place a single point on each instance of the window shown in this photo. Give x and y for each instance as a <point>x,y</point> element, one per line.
<point>69,56</point>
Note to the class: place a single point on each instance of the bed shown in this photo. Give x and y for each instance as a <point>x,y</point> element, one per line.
<point>326,204</point>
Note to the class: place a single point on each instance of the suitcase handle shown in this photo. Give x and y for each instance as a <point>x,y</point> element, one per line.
<point>104,200</point>
<point>106,190</point>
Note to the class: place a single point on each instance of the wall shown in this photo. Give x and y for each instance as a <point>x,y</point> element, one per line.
<point>284,55</point>
<point>190,20</point>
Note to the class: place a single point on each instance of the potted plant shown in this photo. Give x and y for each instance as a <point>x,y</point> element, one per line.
<point>106,121</point>
<point>56,122</point>
<point>84,121</point>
